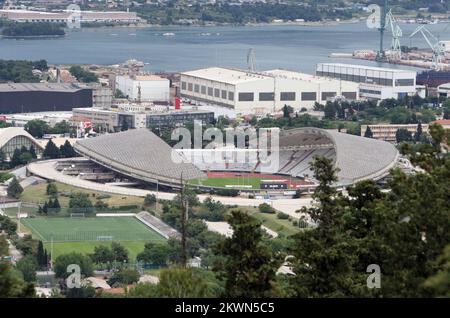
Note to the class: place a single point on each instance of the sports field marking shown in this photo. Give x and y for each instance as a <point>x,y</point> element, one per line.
<point>90,229</point>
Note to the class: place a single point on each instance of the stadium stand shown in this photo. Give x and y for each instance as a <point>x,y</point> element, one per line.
<point>157,225</point>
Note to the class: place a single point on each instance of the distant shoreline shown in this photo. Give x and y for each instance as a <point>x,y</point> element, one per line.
<point>19,37</point>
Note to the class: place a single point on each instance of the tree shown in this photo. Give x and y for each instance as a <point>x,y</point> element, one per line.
<point>63,261</point>
<point>418,133</point>
<point>7,225</point>
<point>12,285</point>
<point>182,283</point>
<point>41,257</point>
<point>120,252</point>
<point>52,189</point>
<point>4,246</point>
<point>124,276</point>
<point>266,208</point>
<point>368,133</point>
<point>144,290</point>
<point>28,266</point>
<point>153,253</point>
<point>287,111</point>
<point>51,151</point>
<point>403,135</point>
<point>150,199</point>
<point>102,255</point>
<point>15,159</point>
<point>440,282</point>
<point>81,201</point>
<point>249,266</point>
<point>67,150</point>
<point>33,152</point>
<point>14,188</point>
<point>37,128</point>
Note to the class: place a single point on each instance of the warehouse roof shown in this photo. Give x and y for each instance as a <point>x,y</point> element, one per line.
<point>293,75</point>
<point>140,154</point>
<point>365,67</point>
<point>226,75</point>
<point>40,87</point>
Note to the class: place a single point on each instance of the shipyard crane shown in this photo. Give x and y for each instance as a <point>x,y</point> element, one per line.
<point>396,49</point>
<point>251,60</point>
<point>433,43</point>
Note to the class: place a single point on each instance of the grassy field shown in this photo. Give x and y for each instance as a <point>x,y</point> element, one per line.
<point>283,227</point>
<point>90,229</point>
<point>133,247</point>
<point>37,194</point>
<point>236,182</point>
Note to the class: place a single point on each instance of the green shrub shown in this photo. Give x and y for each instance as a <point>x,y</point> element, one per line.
<point>266,208</point>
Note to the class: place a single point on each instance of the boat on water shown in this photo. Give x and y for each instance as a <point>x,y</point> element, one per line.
<point>168,34</point>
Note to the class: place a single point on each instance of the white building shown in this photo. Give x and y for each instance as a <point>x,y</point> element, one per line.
<point>444,90</point>
<point>375,82</point>
<point>261,93</point>
<point>149,87</point>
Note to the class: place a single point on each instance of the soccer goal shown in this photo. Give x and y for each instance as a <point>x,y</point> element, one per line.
<point>77,215</point>
<point>105,238</point>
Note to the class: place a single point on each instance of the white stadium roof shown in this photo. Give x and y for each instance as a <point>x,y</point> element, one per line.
<point>138,153</point>
<point>144,156</point>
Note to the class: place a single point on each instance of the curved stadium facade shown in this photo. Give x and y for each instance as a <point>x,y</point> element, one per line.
<point>142,155</point>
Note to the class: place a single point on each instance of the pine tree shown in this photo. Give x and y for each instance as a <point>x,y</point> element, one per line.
<point>45,208</point>
<point>56,205</point>
<point>14,188</point>
<point>368,133</point>
<point>15,159</point>
<point>33,152</point>
<point>40,254</point>
<point>249,267</point>
<point>51,151</point>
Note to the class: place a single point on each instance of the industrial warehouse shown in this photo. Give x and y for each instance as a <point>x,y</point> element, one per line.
<point>260,93</point>
<point>41,97</point>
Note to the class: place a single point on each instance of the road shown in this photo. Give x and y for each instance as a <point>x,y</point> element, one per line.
<point>46,169</point>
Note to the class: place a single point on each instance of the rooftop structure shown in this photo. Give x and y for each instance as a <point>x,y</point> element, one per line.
<point>375,82</point>
<point>140,154</point>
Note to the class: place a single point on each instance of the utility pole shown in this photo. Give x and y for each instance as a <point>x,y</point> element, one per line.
<point>184,214</point>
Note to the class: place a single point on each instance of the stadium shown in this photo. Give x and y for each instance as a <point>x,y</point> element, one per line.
<point>140,157</point>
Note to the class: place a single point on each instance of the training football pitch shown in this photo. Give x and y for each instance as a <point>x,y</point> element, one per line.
<point>90,229</point>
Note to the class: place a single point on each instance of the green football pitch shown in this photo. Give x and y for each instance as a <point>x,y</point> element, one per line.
<point>232,182</point>
<point>90,229</point>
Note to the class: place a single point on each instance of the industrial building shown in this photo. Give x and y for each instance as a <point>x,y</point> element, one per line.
<point>261,93</point>
<point>113,119</point>
<point>64,16</point>
<point>376,83</point>
<point>387,132</point>
<point>42,97</point>
<point>144,87</point>
<point>177,118</point>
